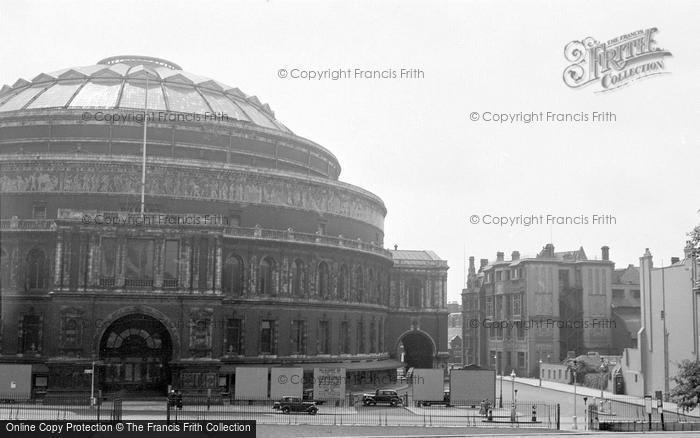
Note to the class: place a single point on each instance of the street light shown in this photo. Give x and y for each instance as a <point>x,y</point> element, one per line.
<point>512,397</point>
<point>603,369</point>
<point>495,366</point>
<point>574,371</point>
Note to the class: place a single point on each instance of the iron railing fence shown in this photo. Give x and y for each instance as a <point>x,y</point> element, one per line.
<point>351,412</point>
<point>16,406</point>
<point>630,414</point>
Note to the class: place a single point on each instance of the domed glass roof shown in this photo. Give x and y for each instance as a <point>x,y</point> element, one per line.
<point>121,82</point>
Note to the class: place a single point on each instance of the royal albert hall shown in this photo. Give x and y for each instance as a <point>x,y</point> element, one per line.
<point>250,251</point>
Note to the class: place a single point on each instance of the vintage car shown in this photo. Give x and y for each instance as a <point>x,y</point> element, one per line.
<point>295,404</point>
<point>385,396</point>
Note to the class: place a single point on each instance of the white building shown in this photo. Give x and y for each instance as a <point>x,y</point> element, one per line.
<point>670,327</point>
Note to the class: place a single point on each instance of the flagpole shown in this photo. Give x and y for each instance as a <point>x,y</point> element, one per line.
<point>143,157</point>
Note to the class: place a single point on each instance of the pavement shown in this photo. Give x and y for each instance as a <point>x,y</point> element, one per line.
<point>271,431</point>
<point>595,393</point>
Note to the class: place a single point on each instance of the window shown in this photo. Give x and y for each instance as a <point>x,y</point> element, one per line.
<point>343,283</point>
<point>171,263</point>
<point>521,359</point>
<point>203,263</point>
<point>344,338</point>
<point>499,276</point>
<point>489,307</point>
<point>324,337</point>
<point>360,337</point>
<point>39,211</point>
<point>635,294</point>
<point>516,304</point>
<point>37,270</point>
<point>109,261</point>
<point>563,279</point>
<point>139,262</point>
<point>4,268</point>
<point>71,333</point>
<point>234,220</point>
<point>265,270</point>
<point>232,275</point>
<point>298,337</point>
<point>372,337</point>
<point>414,292</point>
<point>360,284</point>
<point>30,334</point>
<point>323,280</point>
<point>298,278</point>
<point>267,336</point>
<point>234,336</point>
<point>618,293</point>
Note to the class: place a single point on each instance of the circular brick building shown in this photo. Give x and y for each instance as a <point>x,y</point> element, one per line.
<point>249,250</point>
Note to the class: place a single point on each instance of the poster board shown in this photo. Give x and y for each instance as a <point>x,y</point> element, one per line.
<point>329,383</point>
<point>472,386</point>
<point>428,384</point>
<point>16,380</point>
<point>286,382</point>
<point>251,383</point>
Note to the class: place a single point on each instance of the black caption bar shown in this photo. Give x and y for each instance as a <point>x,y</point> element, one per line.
<point>123,429</point>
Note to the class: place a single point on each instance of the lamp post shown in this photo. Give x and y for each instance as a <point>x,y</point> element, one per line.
<point>603,369</point>
<point>574,418</point>
<point>512,397</point>
<point>92,384</point>
<point>495,367</point>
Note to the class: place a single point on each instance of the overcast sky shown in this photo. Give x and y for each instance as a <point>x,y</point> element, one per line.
<point>412,141</point>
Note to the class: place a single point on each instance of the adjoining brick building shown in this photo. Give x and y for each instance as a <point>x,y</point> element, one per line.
<point>526,309</point>
<point>251,252</point>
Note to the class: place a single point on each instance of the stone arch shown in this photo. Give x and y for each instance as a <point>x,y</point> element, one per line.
<point>102,325</point>
<point>420,349</point>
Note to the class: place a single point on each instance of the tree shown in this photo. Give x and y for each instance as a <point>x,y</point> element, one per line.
<point>687,392</point>
<point>695,240</point>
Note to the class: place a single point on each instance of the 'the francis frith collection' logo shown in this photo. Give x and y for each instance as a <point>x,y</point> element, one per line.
<point>615,63</point>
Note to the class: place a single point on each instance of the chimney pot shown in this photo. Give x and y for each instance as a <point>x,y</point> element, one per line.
<point>605,252</point>
<point>396,247</point>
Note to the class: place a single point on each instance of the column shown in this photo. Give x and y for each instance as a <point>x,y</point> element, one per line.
<point>58,263</point>
<point>218,267</point>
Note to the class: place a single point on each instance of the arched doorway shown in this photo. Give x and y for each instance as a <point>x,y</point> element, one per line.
<point>135,351</point>
<point>417,349</point>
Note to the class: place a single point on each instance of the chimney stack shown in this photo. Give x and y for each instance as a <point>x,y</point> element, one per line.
<point>483,262</point>
<point>396,247</point>
<point>605,253</point>
<point>499,256</point>
<point>675,260</point>
<point>515,255</point>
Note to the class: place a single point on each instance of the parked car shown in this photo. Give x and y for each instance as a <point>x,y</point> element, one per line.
<point>386,396</point>
<point>445,400</point>
<point>295,404</point>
